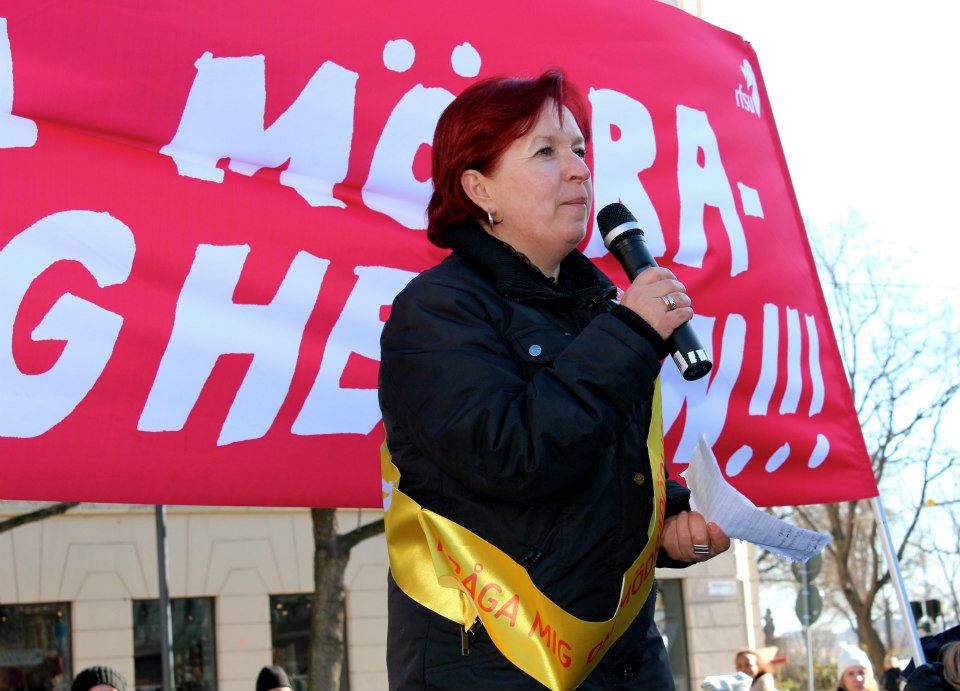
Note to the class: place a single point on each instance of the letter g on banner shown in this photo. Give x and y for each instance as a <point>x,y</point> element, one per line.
<point>31,404</point>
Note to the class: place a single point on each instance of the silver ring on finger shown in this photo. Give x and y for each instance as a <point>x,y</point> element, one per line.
<point>669,302</point>
<point>701,550</point>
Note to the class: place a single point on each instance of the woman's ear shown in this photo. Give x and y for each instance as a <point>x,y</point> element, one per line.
<point>474,183</point>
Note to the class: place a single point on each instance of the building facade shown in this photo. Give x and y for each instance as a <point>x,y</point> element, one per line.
<point>82,589</point>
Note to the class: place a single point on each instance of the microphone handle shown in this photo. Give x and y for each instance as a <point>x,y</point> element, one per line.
<point>688,353</point>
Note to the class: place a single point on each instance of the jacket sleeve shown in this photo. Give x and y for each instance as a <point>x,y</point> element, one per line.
<point>678,499</point>
<point>454,385</point>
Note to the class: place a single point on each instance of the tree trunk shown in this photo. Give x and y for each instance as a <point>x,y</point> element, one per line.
<point>858,570</point>
<point>327,626</point>
<point>870,640</point>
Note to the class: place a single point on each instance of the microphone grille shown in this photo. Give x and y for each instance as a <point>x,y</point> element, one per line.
<point>612,216</point>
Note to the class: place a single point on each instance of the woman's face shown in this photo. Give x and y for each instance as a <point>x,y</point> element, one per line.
<point>541,190</point>
<point>853,678</point>
<point>747,663</point>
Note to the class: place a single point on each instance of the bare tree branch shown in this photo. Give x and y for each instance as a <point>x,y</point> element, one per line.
<point>904,378</point>
<point>349,540</point>
<point>38,515</point>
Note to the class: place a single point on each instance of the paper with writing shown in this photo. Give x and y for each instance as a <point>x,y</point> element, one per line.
<point>718,501</point>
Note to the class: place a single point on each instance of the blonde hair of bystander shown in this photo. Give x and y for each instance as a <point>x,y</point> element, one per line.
<point>950,655</point>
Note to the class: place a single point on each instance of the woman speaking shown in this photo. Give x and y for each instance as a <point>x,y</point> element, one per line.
<point>529,503</point>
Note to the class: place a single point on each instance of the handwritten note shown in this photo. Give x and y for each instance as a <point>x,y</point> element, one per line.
<point>721,503</point>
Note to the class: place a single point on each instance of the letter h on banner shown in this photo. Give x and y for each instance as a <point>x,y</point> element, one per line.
<point>272,333</point>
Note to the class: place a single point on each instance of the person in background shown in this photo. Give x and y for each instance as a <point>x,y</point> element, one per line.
<point>890,681</point>
<point>935,676</point>
<point>99,679</point>
<point>950,657</point>
<point>854,672</point>
<point>273,678</point>
<point>756,666</point>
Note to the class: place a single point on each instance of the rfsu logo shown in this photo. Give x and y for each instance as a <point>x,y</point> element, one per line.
<point>749,98</point>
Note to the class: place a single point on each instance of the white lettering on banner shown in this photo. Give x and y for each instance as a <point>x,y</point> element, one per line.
<point>391,187</point>
<point>778,458</point>
<point>618,162</point>
<point>791,394</point>
<point>739,458</point>
<point>704,185</point>
<point>744,100</point>
<point>738,461</point>
<point>749,102</point>
<point>15,131</point>
<point>224,118</point>
<point>813,362</point>
<point>820,451</point>
<point>770,369</point>
<point>465,60</point>
<point>707,399</point>
<point>767,381</point>
<point>760,400</point>
<point>31,404</point>
<point>330,409</point>
<point>209,324</point>
<point>398,55</point>
<point>750,201</point>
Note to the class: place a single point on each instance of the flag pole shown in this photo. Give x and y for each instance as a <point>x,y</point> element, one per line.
<point>166,628</point>
<point>807,633</point>
<point>896,578</point>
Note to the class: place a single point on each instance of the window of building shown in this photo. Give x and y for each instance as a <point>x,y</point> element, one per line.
<point>194,645</point>
<point>35,647</point>
<point>290,617</point>
<point>290,635</point>
<point>669,618</point>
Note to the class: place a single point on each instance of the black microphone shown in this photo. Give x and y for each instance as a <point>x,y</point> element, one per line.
<point>623,236</point>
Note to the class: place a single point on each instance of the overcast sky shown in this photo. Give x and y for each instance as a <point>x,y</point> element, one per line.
<point>865,99</point>
<point>864,95</point>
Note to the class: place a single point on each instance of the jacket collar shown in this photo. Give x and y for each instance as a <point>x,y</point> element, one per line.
<point>518,279</point>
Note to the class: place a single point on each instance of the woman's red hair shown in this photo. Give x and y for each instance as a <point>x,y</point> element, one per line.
<point>475,130</point>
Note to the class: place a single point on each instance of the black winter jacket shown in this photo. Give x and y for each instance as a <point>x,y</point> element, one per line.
<point>928,677</point>
<point>519,408</point>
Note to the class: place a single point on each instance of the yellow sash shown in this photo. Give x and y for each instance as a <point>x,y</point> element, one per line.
<point>460,576</point>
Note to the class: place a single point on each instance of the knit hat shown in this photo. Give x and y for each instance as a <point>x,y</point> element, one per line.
<point>272,677</point>
<point>94,676</point>
<point>852,656</point>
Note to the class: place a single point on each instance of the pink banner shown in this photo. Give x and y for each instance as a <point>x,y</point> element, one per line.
<point>207,210</point>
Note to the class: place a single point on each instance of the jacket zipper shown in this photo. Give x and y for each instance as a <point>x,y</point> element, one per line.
<point>466,634</point>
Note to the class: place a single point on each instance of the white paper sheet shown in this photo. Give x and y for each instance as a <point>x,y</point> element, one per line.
<point>718,501</point>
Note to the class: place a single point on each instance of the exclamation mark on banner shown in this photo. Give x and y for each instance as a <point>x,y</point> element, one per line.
<point>770,363</point>
<point>770,373</point>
